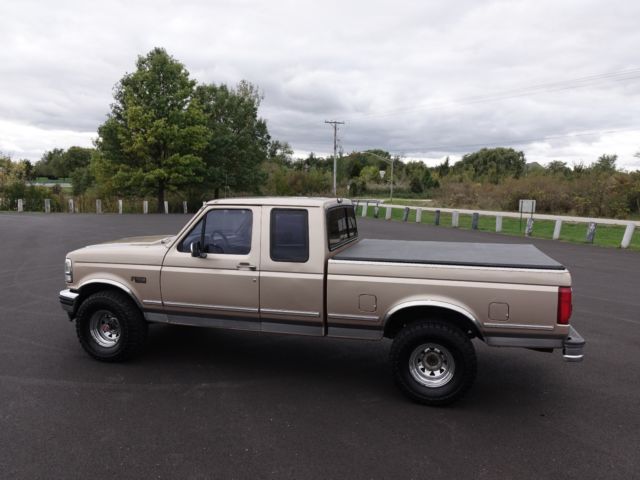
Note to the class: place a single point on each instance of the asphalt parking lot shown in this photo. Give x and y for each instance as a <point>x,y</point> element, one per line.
<point>219,404</point>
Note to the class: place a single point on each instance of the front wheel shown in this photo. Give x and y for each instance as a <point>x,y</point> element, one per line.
<point>110,326</point>
<point>433,363</point>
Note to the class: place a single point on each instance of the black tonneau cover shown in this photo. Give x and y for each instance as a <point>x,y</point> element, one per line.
<point>450,253</point>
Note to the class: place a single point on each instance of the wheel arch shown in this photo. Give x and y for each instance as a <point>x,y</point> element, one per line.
<point>409,312</point>
<point>100,284</point>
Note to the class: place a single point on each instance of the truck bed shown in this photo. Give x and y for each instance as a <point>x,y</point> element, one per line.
<point>497,255</point>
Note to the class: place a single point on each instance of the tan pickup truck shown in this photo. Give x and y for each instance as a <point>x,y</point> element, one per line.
<point>297,266</point>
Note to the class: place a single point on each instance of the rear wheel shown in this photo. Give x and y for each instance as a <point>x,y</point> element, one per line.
<point>110,326</point>
<point>433,363</point>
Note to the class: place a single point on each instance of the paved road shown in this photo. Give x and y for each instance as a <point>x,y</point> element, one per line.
<point>217,404</point>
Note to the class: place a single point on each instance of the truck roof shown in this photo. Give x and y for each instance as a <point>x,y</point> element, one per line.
<point>322,202</point>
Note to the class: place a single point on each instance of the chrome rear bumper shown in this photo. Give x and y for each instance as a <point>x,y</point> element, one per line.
<point>572,346</point>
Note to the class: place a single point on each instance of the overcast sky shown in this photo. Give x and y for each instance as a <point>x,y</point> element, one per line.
<point>423,79</point>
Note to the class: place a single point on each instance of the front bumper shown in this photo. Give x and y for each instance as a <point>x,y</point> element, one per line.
<point>68,300</point>
<point>572,346</point>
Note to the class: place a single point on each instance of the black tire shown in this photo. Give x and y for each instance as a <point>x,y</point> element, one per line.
<point>433,363</point>
<point>110,326</point>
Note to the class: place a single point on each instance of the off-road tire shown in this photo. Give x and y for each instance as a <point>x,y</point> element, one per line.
<point>132,327</point>
<point>446,344</point>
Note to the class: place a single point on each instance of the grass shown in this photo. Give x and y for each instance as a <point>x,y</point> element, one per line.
<point>606,235</point>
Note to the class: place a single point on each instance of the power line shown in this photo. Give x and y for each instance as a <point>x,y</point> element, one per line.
<point>522,141</point>
<point>534,89</point>
<point>335,124</point>
<point>548,87</point>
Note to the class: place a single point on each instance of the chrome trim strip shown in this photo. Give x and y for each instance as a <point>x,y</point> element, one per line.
<point>225,308</point>
<point>524,342</point>
<point>212,322</point>
<point>361,333</point>
<point>432,303</point>
<point>156,317</point>
<point>295,313</point>
<point>346,316</point>
<point>119,285</point>
<point>152,302</point>
<point>274,327</point>
<point>439,265</point>
<point>518,326</point>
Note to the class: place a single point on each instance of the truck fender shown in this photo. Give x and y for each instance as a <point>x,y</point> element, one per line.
<point>451,307</point>
<point>111,283</point>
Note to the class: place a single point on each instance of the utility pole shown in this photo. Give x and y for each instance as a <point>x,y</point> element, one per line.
<point>335,124</point>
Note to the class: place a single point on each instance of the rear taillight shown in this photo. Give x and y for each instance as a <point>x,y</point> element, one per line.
<point>564,305</point>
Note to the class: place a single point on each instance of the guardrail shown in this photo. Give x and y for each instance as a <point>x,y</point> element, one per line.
<point>591,222</point>
<point>72,206</point>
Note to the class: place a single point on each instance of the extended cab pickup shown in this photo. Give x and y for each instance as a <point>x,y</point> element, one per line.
<point>297,266</point>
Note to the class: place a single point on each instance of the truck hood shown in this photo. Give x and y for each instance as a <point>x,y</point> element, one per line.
<point>147,250</point>
<point>139,241</point>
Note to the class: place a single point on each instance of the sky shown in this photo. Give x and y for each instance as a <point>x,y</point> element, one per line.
<point>559,80</point>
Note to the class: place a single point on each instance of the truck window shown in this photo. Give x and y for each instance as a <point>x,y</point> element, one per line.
<point>341,226</point>
<point>226,231</point>
<point>289,235</point>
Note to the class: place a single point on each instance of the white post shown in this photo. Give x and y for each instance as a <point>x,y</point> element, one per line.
<point>166,207</point>
<point>20,205</point>
<point>119,207</point>
<point>204,203</point>
<point>498,223</point>
<point>98,205</point>
<point>455,217</point>
<point>184,206</point>
<point>365,207</point>
<point>528,231</point>
<point>418,215</point>
<point>628,233</point>
<point>557,229</point>
<point>145,207</point>
<point>387,215</point>
<point>71,207</point>
<point>47,205</point>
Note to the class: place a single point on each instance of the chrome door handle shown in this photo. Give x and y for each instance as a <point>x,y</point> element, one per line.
<point>245,266</point>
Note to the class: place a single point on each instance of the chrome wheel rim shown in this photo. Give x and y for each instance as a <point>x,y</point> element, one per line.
<point>432,365</point>
<point>104,328</point>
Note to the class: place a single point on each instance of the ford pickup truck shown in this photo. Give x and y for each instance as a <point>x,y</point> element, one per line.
<point>298,266</point>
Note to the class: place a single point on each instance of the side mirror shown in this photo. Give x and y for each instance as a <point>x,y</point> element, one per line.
<point>196,250</point>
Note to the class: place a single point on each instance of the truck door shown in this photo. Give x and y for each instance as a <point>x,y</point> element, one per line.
<point>221,288</point>
<point>292,271</point>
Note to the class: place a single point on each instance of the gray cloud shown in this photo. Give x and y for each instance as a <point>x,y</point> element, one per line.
<point>402,76</point>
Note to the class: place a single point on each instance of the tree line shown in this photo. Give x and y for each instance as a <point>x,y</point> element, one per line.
<point>167,136</point>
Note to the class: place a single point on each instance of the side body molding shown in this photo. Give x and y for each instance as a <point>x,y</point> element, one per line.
<point>432,303</point>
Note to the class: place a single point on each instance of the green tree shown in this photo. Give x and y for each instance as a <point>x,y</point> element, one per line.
<point>280,153</point>
<point>50,163</point>
<point>154,136</point>
<point>605,164</point>
<point>444,168</point>
<point>557,167</point>
<point>239,141</point>
<point>493,164</point>
<point>60,163</point>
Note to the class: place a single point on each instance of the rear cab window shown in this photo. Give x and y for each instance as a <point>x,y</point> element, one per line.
<point>341,226</point>
<point>289,235</point>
